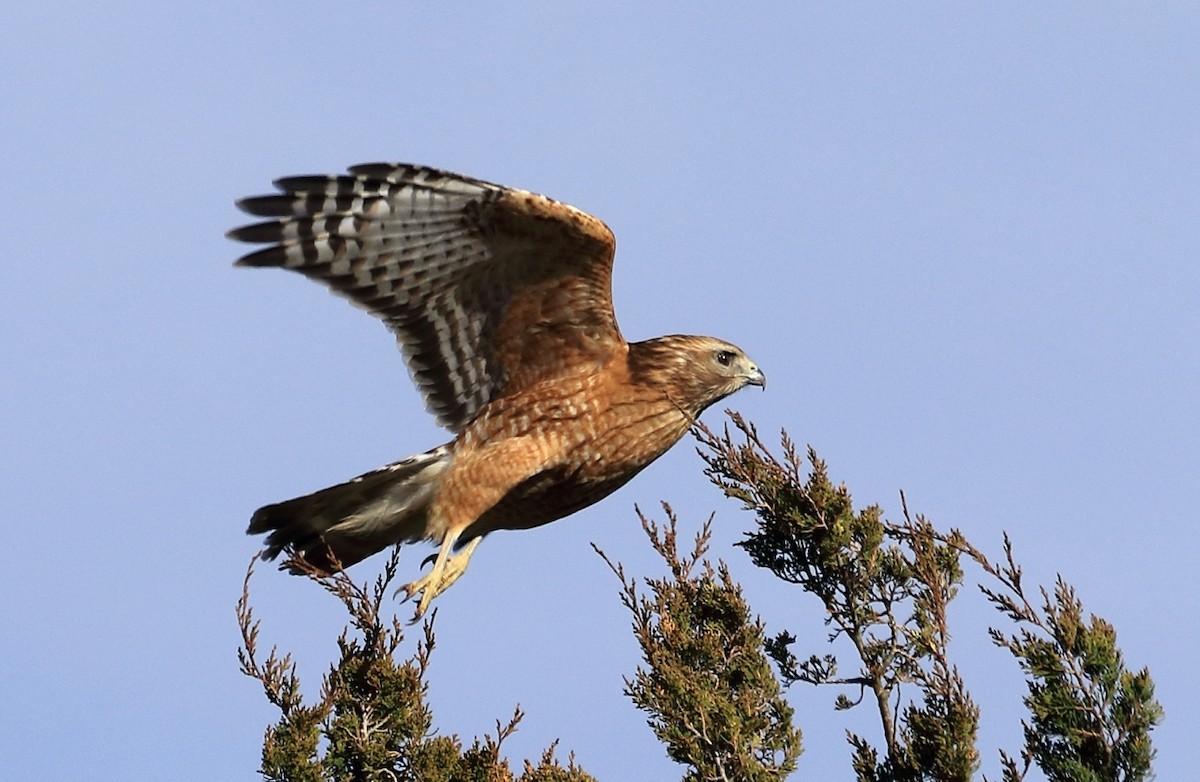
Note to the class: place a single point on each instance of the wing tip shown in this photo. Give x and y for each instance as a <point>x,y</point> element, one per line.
<point>254,233</point>
<point>268,256</point>
<point>270,205</point>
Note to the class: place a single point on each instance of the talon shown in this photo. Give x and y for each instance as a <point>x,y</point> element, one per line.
<point>446,570</point>
<point>408,590</point>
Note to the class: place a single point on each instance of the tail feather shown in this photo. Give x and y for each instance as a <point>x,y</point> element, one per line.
<point>353,520</point>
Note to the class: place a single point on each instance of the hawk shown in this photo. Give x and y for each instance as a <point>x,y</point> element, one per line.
<point>501,302</point>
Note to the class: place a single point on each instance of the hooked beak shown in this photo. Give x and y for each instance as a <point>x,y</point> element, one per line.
<point>755,377</point>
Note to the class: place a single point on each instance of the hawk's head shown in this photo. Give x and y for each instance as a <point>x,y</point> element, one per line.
<point>694,371</point>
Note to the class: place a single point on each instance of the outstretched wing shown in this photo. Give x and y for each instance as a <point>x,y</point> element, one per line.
<point>488,289</point>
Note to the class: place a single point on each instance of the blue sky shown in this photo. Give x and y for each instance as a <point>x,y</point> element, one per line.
<point>961,239</point>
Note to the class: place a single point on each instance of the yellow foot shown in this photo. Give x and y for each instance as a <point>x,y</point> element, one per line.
<point>445,571</point>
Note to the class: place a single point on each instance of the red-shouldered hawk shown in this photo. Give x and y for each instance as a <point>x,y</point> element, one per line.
<point>501,302</point>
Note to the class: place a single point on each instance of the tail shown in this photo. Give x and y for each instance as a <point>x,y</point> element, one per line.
<point>353,520</point>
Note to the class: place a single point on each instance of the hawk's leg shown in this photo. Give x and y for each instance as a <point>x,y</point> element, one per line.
<point>447,569</point>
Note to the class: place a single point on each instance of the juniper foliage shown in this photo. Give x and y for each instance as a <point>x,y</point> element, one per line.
<point>707,684</point>
<point>712,681</point>
<point>371,721</point>
<point>887,587</point>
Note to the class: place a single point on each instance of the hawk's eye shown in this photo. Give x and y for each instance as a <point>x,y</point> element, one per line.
<point>724,357</point>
